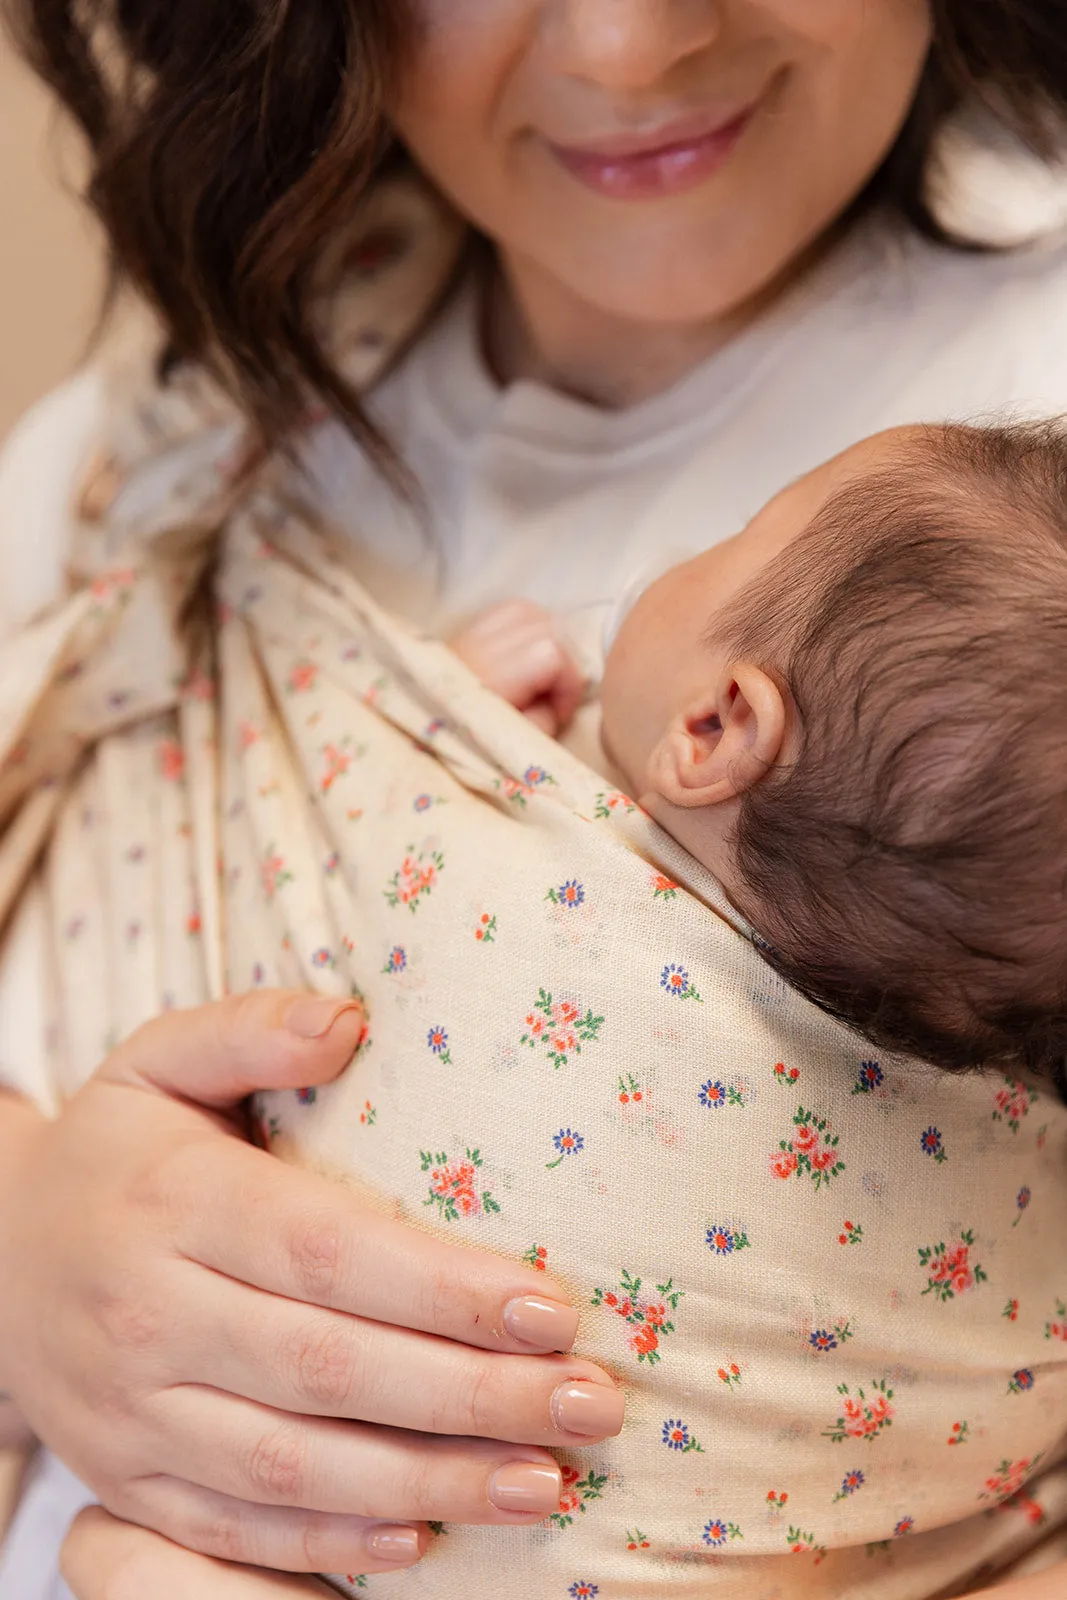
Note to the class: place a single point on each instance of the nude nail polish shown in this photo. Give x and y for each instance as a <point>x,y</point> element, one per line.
<point>526,1486</point>
<point>589,1409</point>
<point>545,1324</point>
<point>397,1545</point>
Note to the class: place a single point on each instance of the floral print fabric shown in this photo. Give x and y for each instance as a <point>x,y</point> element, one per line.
<point>832,1285</point>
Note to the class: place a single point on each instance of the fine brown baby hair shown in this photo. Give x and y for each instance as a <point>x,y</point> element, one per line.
<point>908,870</point>
<point>231,140</point>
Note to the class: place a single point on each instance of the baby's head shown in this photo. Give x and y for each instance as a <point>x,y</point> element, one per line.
<point>855,714</point>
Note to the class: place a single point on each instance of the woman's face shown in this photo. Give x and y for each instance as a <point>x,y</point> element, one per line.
<point>660,160</point>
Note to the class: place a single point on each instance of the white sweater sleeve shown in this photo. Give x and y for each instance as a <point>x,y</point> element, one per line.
<point>39,463</point>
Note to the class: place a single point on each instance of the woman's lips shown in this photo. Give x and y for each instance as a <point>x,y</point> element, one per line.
<point>680,158</point>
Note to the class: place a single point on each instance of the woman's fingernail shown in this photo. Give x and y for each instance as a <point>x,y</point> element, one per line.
<point>398,1545</point>
<point>312,1016</point>
<point>525,1486</point>
<point>547,1324</point>
<point>591,1409</point>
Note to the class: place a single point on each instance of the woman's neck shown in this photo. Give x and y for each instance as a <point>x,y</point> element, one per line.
<point>534,329</point>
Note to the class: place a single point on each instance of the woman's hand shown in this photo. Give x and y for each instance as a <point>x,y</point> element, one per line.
<point>185,1319</point>
<point>104,1559</point>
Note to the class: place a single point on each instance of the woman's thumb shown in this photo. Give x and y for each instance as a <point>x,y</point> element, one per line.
<point>219,1054</point>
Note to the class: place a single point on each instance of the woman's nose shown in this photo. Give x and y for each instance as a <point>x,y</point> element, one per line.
<point>629,44</point>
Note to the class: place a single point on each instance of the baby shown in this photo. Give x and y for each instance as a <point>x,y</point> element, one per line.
<point>854,713</point>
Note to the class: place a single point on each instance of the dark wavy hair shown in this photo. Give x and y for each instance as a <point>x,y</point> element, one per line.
<point>231,138</point>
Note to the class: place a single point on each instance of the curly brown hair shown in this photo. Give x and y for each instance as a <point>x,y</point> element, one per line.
<point>230,142</point>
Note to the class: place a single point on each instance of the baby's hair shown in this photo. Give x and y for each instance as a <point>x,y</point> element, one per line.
<point>909,870</point>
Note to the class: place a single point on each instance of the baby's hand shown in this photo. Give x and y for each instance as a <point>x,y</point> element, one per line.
<point>515,651</point>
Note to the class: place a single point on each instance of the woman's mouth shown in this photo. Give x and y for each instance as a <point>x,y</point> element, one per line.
<point>649,166</point>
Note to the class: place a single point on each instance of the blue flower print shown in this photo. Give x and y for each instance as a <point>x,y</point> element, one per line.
<point>307,1097</point>
<point>822,1339</point>
<point>676,981</point>
<point>724,1241</point>
<point>904,1526</point>
<point>716,1532</point>
<point>567,1143</point>
<point>533,777</point>
<point>677,1436</point>
<point>1021,1382</point>
<point>396,960</point>
<point>569,894</point>
<point>849,1484</point>
<point>933,1145</point>
<point>437,1040</point>
<point>1022,1199</point>
<point>583,1591</point>
<point>714,1095</point>
<point>323,958</point>
<point>423,802</point>
<point>870,1077</point>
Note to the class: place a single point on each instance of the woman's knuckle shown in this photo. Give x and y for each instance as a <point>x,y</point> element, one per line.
<point>322,1363</point>
<point>220,1533</point>
<point>318,1542</point>
<point>277,1464</point>
<point>317,1254</point>
<point>131,1325</point>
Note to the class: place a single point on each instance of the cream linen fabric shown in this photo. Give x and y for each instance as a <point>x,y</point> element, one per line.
<point>833,1286</point>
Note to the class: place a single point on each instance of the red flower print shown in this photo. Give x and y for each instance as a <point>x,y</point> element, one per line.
<point>414,879</point>
<point>1009,1478</point>
<point>577,1494</point>
<point>485,932</point>
<point>171,761</point>
<point>959,1433</point>
<point>650,1319</point>
<point>865,1415</point>
<point>1056,1329</point>
<point>812,1152</point>
<point>613,800</point>
<point>636,1540</point>
<point>561,1027</point>
<point>336,763</point>
<point>273,873</point>
<point>949,1269</point>
<point>1012,1103</point>
<point>303,677</point>
<point>536,1257</point>
<point>853,1234</point>
<point>452,1185</point>
<point>247,735</point>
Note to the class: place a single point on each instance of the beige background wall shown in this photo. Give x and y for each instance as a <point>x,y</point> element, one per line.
<point>50,261</point>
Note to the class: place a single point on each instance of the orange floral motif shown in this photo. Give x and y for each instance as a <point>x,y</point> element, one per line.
<point>416,878</point>
<point>1008,1479</point>
<point>865,1415</point>
<point>649,1318</point>
<point>171,760</point>
<point>560,1027</point>
<point>453,1185</point>
<point>302,677</point>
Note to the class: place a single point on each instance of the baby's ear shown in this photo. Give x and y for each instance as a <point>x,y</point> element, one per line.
<point>723,743</point>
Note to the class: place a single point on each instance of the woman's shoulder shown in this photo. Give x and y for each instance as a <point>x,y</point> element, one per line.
<point>40,462</point>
